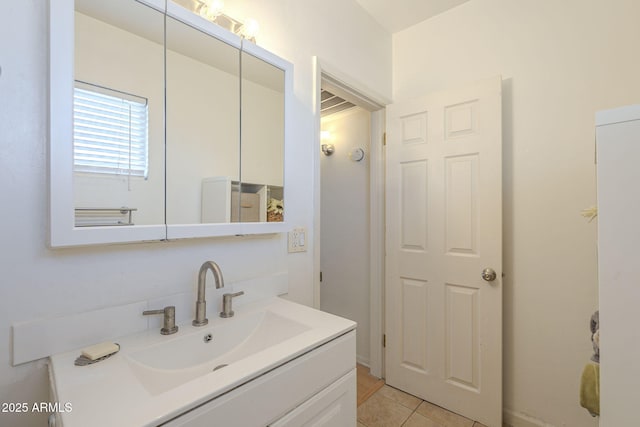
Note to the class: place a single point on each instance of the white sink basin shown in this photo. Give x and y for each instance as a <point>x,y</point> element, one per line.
<point>154,378</point>
<point>165,365</point>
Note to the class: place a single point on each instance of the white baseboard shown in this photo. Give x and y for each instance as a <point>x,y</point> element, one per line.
<point>517,419</point>
<point>361,360</point>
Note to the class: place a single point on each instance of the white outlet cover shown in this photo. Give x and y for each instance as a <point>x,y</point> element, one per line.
<point>298,240</point>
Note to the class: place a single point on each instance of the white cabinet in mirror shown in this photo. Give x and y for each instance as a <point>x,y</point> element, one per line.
<point>147,106</point>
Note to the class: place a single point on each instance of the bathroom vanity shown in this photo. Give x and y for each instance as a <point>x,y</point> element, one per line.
<point>201,120</point>
<point>274,363</point>
<point>194,120</point>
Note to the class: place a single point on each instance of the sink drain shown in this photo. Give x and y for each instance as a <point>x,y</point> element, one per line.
<point>219,367</point>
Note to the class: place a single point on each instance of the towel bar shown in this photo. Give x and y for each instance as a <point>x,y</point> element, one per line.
<point>102,212</point>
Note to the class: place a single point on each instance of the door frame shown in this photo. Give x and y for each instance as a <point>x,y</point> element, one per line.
<point>348,88</point>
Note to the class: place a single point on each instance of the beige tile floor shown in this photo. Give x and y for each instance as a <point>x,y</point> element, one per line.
<point>389,407</point>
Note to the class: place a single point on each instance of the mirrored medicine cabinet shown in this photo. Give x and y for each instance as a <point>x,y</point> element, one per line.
<point>162,126</point>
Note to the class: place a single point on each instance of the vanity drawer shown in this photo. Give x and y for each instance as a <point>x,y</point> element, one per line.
<point>333,406</point>
<point>275,394</point>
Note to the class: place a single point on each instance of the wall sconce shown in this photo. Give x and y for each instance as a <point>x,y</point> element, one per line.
<point>212,11</point>
<point>328,149</point>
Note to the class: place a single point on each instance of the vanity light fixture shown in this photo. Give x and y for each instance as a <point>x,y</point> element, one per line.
<point>212,11</point>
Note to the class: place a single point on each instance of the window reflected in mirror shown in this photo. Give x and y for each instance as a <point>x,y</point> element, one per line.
<point>118,114</point>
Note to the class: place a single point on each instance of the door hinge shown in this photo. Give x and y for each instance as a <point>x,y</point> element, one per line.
<point>384,340</point>
<point>384,138</point>
<point>321,276</point>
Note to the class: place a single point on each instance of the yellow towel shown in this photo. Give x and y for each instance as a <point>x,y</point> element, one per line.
<point>590,388</point>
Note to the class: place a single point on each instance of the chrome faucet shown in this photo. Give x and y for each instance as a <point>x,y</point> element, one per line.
<point>201,304</point>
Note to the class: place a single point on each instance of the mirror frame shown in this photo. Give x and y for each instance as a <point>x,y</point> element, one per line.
<point>62,229</point>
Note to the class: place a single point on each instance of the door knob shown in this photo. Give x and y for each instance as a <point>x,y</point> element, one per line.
<point>489,274</point>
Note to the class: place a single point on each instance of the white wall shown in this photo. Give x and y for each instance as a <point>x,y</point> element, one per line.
<point>561,61</point>
<point>344,216</point>
<point>37,282</point>
<point>262,134</point>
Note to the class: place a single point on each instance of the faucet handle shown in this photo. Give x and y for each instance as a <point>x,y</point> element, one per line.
<point>169,324</point>
<point>226,304</point>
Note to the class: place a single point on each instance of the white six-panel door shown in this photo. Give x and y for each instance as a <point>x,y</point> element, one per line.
<point>444,227</point>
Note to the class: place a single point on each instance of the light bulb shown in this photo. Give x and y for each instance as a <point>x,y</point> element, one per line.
<point>212,9</point>
<point>250,28</point>
<point>216,7</point>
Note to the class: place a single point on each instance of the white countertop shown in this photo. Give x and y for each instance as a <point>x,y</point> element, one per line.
<point>108,393</point>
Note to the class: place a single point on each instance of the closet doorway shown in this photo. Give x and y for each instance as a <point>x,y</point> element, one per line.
<point>349,259</point>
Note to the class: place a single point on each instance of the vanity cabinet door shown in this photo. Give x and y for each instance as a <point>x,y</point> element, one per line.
<point>333,406</point>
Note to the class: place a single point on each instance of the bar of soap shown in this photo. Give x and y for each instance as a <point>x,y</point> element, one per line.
<point>99,350</point>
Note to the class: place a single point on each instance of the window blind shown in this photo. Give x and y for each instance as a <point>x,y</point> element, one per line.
<point>110,131</point>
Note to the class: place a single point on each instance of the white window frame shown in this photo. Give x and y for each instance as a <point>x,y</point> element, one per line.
<point>110,131</point>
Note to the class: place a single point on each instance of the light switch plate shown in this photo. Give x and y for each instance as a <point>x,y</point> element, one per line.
<point>298,240</point>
